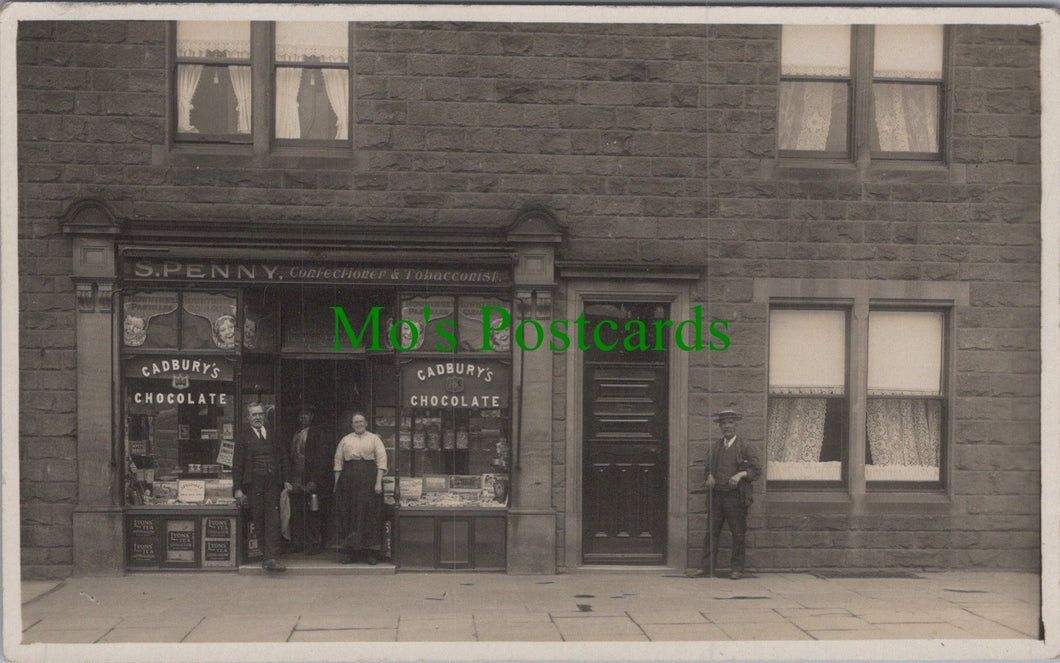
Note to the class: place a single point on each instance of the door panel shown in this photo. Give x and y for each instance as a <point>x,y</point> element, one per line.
<point>625,446</point>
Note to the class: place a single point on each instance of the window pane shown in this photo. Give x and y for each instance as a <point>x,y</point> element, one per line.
<point>905,352</point>
<point>312,103</point>
<point>805,439</point>
<point>904,437</point>
<point>306,41</point>
<point>472,324</point>
<point>815,50</point>
<point>209,321</point>
<point>213,99</point>
<point>908,51</point>
<point>216,40</point>
<point>807,352</point>
<point>150,320</point>
<point>813,116</point>
<point>906,118</point>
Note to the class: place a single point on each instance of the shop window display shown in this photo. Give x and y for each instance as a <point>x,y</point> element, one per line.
<point>179,431</point>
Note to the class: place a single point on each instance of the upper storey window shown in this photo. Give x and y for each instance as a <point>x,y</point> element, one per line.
<point>862,91</point>
<point>286,83</point>
<point>312,81</point>
<point>213,80</point>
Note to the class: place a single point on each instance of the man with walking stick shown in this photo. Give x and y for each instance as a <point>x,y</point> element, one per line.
<point>731,467</point>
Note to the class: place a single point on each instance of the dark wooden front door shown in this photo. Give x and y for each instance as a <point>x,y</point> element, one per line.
<point>625,441</point>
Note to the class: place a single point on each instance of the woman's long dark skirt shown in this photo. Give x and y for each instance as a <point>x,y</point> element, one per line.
<point>358,510</point>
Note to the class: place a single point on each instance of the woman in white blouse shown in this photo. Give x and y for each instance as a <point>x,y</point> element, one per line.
<point>360,463</point>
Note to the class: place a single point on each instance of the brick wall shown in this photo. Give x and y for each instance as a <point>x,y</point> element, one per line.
<point>653,144</point>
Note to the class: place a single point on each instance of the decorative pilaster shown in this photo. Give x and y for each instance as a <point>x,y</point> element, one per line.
<point>532,518</point>
<point>97,521</point>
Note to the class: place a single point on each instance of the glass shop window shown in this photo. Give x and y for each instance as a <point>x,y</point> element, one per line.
<point>179,430</point>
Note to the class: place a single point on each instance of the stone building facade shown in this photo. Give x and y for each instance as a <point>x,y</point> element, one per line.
<point>614,163</point>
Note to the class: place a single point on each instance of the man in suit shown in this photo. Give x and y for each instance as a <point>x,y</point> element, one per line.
<point>260,470</point>
<point>731,467</point>
<point>312,454</point>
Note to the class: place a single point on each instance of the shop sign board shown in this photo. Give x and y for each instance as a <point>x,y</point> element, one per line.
<point>274,271</point>
<point>465,383</point>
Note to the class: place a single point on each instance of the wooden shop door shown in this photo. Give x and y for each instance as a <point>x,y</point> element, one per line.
<point>625,436</point>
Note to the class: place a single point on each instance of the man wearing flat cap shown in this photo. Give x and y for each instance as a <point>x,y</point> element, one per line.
<point>731,467</point>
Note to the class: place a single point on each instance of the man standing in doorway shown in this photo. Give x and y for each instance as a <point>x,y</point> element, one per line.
<point>312,451</point>
<point>260,468</point>
<point>731,467</point>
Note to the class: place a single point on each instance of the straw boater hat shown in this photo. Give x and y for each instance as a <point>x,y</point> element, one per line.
<point>727,413</point>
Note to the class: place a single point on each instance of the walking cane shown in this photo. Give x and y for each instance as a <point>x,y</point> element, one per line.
<point>710,525</point>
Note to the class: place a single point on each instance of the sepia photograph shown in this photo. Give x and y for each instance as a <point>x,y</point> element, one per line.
<point>553,332</point>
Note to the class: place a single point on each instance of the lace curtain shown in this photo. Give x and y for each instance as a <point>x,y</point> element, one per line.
<point>796,429</point>
<point>337,85</point>
<point>806,115</point>
<point>188,76</point>
<point>906,117</point>
<point>904,431</point>
<point>241,86</point>
<point>288,79</point>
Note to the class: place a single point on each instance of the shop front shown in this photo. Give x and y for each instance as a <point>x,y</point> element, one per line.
<point>407,345</point>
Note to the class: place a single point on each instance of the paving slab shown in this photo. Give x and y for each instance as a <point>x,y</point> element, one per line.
<point>757,616</point>
<point>66,623</point>
<point>366,620</point>
<point>598,629</point>
<point>1023,620</point>
<point>83,636</point>
<point>535,631</point>
<point>773,631</point>
<point>924,631</point>
<point>238,628</point>
<point>643,617</point>
<point>441,630</point>
<point>145,634</point>
<point>346,635</point>
<point>684,632</point>
<point>867,634</point>
<point>34,589</point>
<point>830,623</point>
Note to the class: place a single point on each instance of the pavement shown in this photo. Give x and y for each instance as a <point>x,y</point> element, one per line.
<point>216,607</point>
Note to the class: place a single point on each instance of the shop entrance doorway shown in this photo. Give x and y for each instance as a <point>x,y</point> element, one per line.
<point>625,434</point>
<point>336,388</point>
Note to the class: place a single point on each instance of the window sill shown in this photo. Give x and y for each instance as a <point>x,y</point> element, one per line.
<point>881,170</point>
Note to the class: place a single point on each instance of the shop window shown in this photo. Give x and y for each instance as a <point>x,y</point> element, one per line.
<point>220,65</point>
<point>150,320</point>
<point>213,80</point>
<point>208,320</point>
<point>260,323</point>
<point>186,320</point>
<point>807,395</point>
<point>904,418</point>
<point>823,67</point>
<point>179,429</point>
